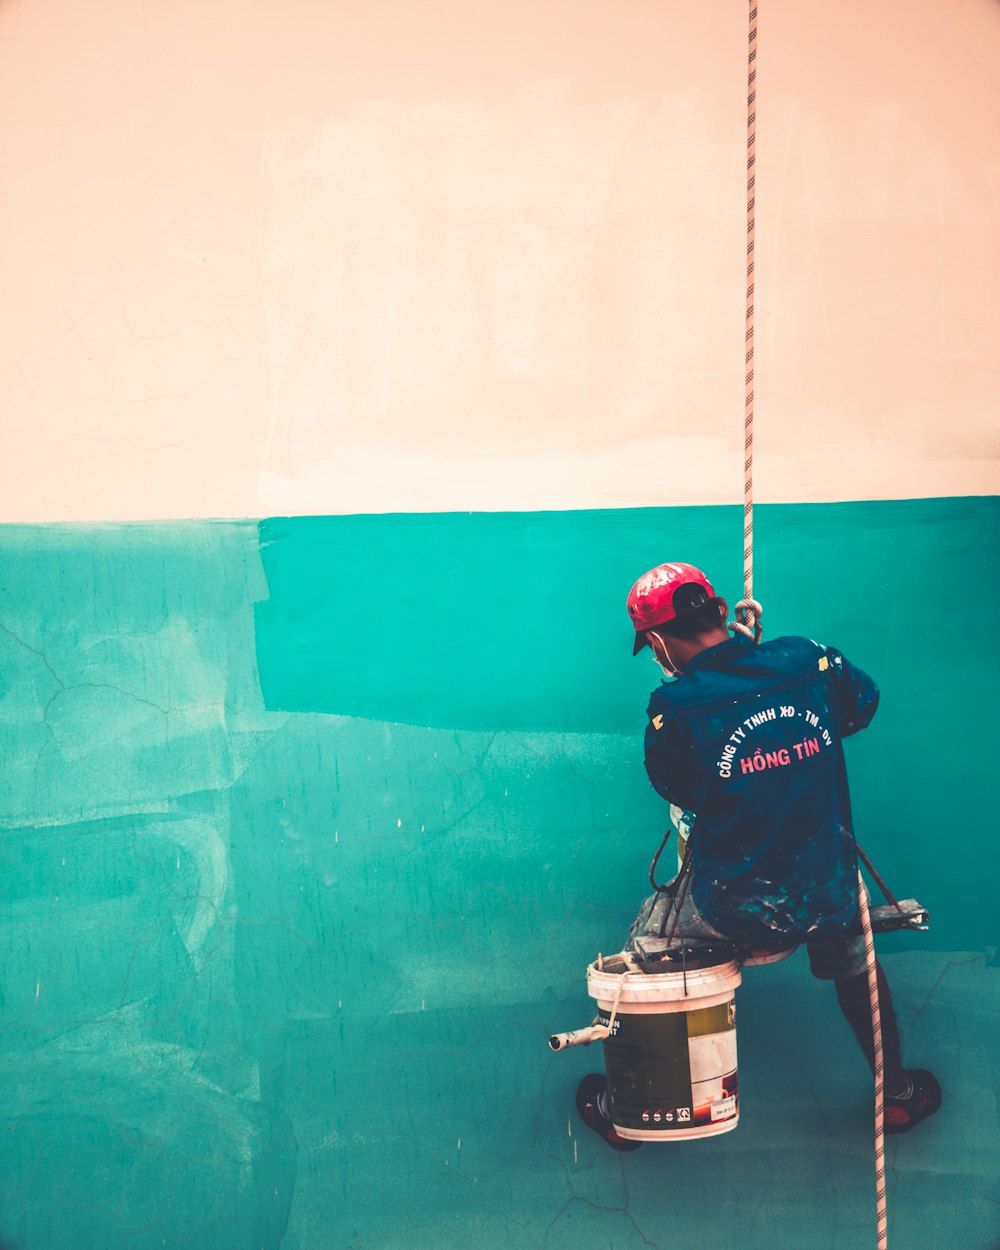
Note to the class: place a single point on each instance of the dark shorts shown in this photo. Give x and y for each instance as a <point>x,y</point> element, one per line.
<point>831,958</point>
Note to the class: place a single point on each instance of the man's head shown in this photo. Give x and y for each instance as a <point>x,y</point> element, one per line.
<point>676,613</point>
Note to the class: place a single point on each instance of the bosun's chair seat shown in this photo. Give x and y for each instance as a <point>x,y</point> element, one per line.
<point>653,952</point>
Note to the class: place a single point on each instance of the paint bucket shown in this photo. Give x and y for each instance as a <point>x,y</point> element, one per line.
<point>671,1053</point>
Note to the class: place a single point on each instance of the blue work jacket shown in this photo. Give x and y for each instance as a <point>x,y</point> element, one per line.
<point>749,739</point>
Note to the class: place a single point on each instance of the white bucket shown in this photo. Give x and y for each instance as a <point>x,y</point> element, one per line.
<point>671,1053</point>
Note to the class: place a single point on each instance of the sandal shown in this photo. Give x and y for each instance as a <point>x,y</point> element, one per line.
<point>589,1101</point>
<point>922,1100</point>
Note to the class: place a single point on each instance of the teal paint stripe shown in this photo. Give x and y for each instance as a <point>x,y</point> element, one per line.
<point>518,619</point>
<point>463,621</point>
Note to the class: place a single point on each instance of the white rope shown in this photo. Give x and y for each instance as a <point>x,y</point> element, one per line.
<point>880,1201</point>
<point>614,1005</point>
<point>748,611</point>
<point>748,598</point>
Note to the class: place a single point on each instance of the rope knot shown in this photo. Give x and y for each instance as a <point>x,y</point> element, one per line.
<point>747,613</point>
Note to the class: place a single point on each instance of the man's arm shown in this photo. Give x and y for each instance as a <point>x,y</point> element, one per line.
<point>855,695</point>
<point>671,762</point>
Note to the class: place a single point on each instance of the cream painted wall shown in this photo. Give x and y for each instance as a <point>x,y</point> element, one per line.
<point>320,257</point>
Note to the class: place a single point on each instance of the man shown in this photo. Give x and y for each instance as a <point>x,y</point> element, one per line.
<point>749,738</point>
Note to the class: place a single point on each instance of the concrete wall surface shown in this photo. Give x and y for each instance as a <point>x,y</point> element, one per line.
<point>354,361</point>
<point>299,880</point>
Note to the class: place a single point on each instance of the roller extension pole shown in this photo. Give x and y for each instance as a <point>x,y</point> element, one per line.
<point>579,1037</point>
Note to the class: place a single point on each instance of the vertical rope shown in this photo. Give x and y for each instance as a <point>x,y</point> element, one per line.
<point>750,621</point>
<point>880,1203</point>
<point>748,400</point>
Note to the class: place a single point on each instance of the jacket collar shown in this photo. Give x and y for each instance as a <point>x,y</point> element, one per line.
<point>722,653</point>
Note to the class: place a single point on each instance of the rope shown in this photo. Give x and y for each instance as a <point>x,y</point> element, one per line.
<point>748,599</point>
<point>614,1006</point>
<point>656,860</point>
<point>880,1203</point>
<point>680,893</point>
<point>889,897</point>
<point>748,611</point>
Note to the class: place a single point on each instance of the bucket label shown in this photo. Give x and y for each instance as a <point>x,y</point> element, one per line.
<point>713,1073</point>
<point>724,1109</point>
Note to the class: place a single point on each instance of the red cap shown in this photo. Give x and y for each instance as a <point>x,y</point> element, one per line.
<point>654,599</point>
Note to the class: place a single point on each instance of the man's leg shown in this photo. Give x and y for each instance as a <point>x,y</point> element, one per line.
<point>910,1094</point>
<point>855,1003</point>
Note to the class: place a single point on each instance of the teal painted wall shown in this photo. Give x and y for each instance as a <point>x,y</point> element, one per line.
<point>306,853</point>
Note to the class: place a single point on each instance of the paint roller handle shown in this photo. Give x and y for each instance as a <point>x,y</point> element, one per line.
<point>579,1037</point>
